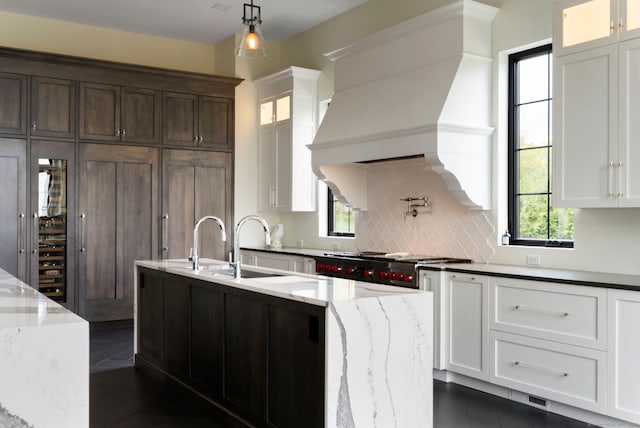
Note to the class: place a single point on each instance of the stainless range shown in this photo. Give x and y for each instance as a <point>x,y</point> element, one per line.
<point>397,269</point>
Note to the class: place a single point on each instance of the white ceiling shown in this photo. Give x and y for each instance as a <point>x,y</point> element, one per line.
<point>204,21</point>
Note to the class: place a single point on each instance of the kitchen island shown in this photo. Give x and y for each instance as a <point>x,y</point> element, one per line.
<point>44,360</point>
<point>286,349</point>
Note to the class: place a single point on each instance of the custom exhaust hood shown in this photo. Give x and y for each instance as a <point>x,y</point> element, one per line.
<point>422,87</point>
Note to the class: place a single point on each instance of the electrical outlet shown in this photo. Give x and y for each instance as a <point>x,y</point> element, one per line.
<point>300,243</point>
<point>533,260</point>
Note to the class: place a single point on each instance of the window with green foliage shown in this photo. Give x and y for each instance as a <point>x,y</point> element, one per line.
<point>341,219</point>
<point>532,218</point>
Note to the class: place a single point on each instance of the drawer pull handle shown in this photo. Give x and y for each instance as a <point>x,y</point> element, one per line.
<point>542,369</point>
<point>540,310</point>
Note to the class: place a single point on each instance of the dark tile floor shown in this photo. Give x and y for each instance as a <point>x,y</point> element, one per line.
<point>122,396</point>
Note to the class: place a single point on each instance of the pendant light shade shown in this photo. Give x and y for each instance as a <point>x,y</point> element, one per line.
<point>251,43</point>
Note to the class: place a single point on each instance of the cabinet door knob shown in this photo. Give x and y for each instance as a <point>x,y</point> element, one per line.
<point>124,132</point>
<point>195,139</point>
<point>34,125</point>
<point>200,139</point>
<point>117,132</point>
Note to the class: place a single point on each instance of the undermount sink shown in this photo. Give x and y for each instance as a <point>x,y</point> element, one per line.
<point>243,273</point>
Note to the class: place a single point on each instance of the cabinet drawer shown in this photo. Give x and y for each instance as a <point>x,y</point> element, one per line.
<point>563,313</point>
<point>568,374</point>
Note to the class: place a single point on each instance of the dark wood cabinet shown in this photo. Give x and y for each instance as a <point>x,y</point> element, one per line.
<point>99,112</point>
<point>207,339</point>
<point>215,121</point>
<point>14,224</point>
<point>176,323</point>
<point>118,222</point>
<point>198,121</point>
<point>245,354</point>
<point>114,113</point>
<point>13,104</point>
<point>260,357</point>
<point>150,322</point>
<point>141,116</point>
<point>53,107</point>
<point>195,184</point>
<point>295,366</point>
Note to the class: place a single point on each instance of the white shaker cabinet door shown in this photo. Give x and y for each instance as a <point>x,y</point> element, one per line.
<point>624,355</point>
<point>629,151</point>
<point>432,281</point>
<point>467,322</point>
<point>585,141</point>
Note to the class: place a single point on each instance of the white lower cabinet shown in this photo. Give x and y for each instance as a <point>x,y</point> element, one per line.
<point>569,314</point>
<point>466,298</point>
<point>280,261</point>
<point>549,339</point>
<point>569,374</point>
<point>624,355</point>
<point>575,345</point>
<point>432,281</point>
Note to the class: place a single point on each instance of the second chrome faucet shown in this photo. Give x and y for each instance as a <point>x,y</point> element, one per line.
<point>236,242</point>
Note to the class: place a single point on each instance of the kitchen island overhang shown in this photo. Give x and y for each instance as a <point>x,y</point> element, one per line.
<point>375,340</point>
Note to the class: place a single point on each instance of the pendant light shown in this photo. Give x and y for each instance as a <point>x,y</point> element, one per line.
<point>251,43</point>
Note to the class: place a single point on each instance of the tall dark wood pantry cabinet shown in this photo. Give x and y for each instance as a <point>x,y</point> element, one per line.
<point>99,172</point>
<point>117,196</point>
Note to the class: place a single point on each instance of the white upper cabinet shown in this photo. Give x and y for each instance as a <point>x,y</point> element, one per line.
<point>586,24</point>
<point>287,114</point>
<point>596,98</point>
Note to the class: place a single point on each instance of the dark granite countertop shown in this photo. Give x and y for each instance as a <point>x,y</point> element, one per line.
<point>566,276</point>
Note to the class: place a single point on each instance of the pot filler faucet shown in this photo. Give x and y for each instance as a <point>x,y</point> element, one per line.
<point>194,251</point>
<point>236,246</point>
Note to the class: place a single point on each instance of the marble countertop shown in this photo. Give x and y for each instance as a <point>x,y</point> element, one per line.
<point>22,306</point>
<point>314,289</point>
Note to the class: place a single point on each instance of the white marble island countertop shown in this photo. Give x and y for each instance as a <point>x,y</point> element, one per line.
<point>313,289</point>
<point>44,360</point>
<point>378,341</point>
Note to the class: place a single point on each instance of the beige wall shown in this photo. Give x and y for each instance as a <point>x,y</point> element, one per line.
<point>48,35</point>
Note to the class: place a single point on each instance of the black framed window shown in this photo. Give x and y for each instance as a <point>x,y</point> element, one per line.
<point>532,218</point>
<point>341,220</point>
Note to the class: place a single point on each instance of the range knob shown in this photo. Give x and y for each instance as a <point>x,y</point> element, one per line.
<point>394,275</point>
<point>367,273</point>
<point>336,268</point>
<point>408,278</point>
<point>350,270</point>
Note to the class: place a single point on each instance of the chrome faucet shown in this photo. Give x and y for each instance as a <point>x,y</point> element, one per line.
<point>236,243</point>
<point>194,251</point>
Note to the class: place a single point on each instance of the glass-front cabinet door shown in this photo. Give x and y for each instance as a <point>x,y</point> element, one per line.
<point>586,24</point>
<point>52,225</point>
<point>629,19</point>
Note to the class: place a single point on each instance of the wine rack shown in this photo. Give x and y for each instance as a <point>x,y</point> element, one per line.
<point>52,247</point>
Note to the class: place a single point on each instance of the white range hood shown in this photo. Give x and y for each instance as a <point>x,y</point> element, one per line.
<point>422,87</point>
